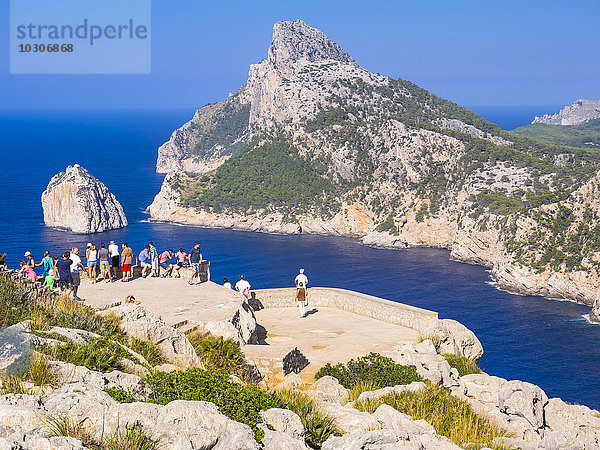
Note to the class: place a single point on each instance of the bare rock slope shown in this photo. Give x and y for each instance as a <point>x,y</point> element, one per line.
<point>580,111</point>
<point>77,201</point>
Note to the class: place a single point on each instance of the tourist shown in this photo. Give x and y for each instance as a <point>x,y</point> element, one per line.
<point>27,271</point>
<point>50,279</point>
<point>104,258</point>
<point>126,260</point>
<point>47,264</point>
<point>30,261</point>
<point>243,286</point>
<point>301,298</point>
<point>92,262</point>
<point>114,256</point>
<point>144,259</point>
<point>154,259</point>
<point>181,257</point>
<point>75,275</point>
<point>227,284</point>
<point>195,260</point>
<point>163,261</point>
<point>301,278</point>
<point>64,271</point>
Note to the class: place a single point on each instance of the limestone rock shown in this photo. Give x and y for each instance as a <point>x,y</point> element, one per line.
<point>384,240</point>
<point>574,114</point>
<point>392,419</point>
<point>76,201</point>
<point>429,364</point>
<point>595,312</point>
<point>331,388</point>
<point>139,322</point>
<point>371,395</point>
<point>347,418</point>
<point>522,399</point>
<point>284,421</point>
<point>457,339</point>
<point>388,440</point>
<point>70,373</point>
<point>276,440</point>
<point>577,420</point>
<point>290,381</point>
<point>241,327</point>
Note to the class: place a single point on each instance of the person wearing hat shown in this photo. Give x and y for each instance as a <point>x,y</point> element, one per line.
<point>301,278</point>
<point>50,279</point>
<point>30,261</point>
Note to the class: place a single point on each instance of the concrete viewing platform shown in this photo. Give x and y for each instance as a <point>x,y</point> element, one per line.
<point>340,324</point>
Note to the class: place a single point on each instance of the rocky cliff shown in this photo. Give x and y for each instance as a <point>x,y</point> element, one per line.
<point>574,114</point>
<point>315,143</point>
<point>77,201</point>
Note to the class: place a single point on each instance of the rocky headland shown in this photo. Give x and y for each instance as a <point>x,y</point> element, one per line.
<point>77,201</point>
<point>580,111</point>
<point>314,143</point>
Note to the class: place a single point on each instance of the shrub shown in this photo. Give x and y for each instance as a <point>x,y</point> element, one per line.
<point>148,350</point>
<point>98,354</point>
<point>223,355</point>
<point>318,426</point>
<point>131,438</point>
<point>381,371</point>
<point>449,415</point>
<point>120,394</point>
<point>464,365</point>
<point>63,425</point>
<point>238,402</point>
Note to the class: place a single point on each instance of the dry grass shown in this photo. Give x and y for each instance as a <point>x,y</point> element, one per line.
<point>63,425</point>
<point>359,388</point>
<point>449,415</point>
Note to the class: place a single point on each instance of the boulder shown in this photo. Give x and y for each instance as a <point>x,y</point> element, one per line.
<point>276,440</point>
<point>521,399</point>
<point>429,364</point>
<point>348,419</point>
<point>392,419</point>
<point>70,373</point>
<point>241,327</point>
<point>139,322</point>
<point>455,338</point>
<point>330,389</point>
<point>577,420</point>
<point>558,440</point>
<point>284,421</point>
<point>34,442</point>
<point>76,201</point>
<point>290,381</point>
<point>387,439</point>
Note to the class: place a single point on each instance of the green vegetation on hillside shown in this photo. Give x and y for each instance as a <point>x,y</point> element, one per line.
<point>272,175</point>
<point>584,135</point>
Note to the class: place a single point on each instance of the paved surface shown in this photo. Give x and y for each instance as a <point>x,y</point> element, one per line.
<point>172,298</point>
<point>326,335</point>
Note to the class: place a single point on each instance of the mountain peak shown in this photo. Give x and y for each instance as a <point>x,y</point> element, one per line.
<point>578,112</point>
<point>295,40</point>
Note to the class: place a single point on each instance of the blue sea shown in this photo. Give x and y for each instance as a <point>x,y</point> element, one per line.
<point>546,342</point>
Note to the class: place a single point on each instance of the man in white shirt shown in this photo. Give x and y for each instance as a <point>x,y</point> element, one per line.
<point>114,259</point>
<point>75,266</point>
<point>243,286</point>
<point>301,278</point>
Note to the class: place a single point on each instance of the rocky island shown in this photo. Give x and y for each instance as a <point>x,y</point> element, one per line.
<point>314,143</point>
<point>77,201</point>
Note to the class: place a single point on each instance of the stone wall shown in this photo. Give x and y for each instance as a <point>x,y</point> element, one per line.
<point>419,319</point>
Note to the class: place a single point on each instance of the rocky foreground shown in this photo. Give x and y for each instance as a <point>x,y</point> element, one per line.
<point>79,399</point>
<point>77,201</point>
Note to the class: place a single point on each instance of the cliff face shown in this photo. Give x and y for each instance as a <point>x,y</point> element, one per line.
<point>315,143</point>
<point>574,114</point>
<point>76,201</point>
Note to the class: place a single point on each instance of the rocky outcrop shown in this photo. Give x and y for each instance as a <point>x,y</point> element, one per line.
<point>76,201</point>
<point>594,315</point>
<point>138,322</point>
<point>454,338</point>
<point>574,114</point>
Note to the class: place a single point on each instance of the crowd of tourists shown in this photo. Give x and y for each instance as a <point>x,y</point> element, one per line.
<point>112,263</point>
<point>109,264</point>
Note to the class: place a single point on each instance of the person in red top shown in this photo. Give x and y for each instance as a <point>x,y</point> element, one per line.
<point>163,262</point>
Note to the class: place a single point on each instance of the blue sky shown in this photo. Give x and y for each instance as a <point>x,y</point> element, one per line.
<point>471,52</point>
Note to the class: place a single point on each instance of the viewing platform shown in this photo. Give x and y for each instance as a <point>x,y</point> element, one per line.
<point>340,324</point>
